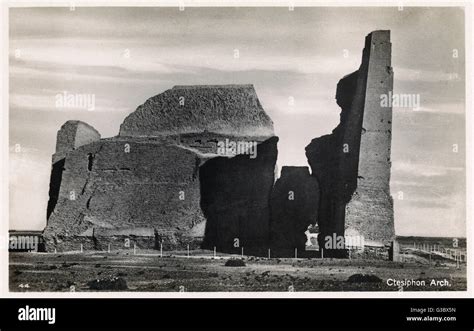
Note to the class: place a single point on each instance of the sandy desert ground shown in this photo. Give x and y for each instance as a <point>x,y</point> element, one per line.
<point>201,271</point>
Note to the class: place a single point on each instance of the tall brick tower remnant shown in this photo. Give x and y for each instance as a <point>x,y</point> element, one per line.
<point>353,163</point>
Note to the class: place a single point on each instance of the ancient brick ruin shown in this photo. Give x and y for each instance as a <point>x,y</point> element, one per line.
<point>353,163</point>
<point>165,181</point>
<point>153,180</point>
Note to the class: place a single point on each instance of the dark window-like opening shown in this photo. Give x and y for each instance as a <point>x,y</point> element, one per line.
<point>90,161</point>
<point>54,186</point>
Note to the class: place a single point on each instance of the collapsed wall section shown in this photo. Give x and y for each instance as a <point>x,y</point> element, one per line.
<point>294,207</point>
<point>235,194</point>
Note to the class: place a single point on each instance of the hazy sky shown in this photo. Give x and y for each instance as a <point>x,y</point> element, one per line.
<point>125,55</point>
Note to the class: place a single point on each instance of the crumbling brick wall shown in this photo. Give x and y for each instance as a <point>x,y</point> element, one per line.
<point>370,210</point>
<point>121,183</point>
<point>353,163</point>
<point>150,175</point>
<point>74,134</point>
